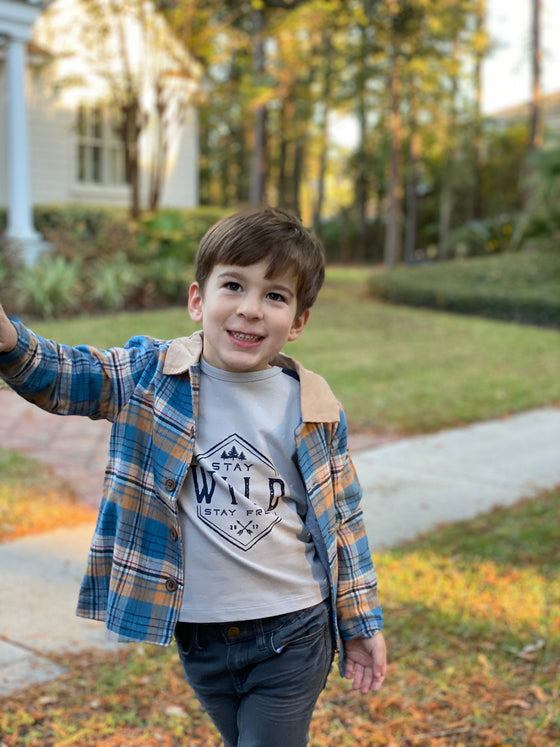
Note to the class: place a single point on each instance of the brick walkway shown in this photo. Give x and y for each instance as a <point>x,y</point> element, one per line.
<point>74,447</point>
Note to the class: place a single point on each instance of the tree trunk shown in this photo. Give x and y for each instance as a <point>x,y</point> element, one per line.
<point>324,130</point>
<point>448,177</point>
<point>415,149</point>
<point>159,154</point>
<point>258,160</point>
<point>475,207</point>
<point>393,237</point>
<point>535,124</point>
<point>286,194</point>
<point>131,120</point>
<point>362,179</point>
<point>129,130</point>
<point>299,157</point>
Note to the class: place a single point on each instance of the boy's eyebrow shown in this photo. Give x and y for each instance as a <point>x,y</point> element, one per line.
<point>240,276</point>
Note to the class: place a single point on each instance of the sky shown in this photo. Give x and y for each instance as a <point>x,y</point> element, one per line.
<point>506,73</point>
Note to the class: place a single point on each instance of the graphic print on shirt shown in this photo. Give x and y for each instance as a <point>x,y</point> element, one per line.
<point>237,490</point>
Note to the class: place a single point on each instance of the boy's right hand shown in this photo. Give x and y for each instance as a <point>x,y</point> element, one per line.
<point>8,333</point>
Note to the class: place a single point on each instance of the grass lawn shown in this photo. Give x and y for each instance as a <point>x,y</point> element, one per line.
<point>474,640</point>
<point>394,368</point>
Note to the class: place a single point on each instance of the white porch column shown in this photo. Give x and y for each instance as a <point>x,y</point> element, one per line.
<point>16,20</point>
<point>20,223</point>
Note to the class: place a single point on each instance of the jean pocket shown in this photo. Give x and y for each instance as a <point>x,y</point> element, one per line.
<point>301,629</point>
<point>186,638</point>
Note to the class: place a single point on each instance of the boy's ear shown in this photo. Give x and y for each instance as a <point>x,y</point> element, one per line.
<point>195,303</point>
<point>298,325</point>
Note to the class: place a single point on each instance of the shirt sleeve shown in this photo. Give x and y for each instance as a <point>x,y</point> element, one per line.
<point>76,380</point>
<point>359,610</point>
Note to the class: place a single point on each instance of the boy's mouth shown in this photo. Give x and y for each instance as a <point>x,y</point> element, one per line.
<point>243,337</point>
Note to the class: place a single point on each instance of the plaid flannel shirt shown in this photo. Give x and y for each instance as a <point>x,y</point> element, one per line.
<point>149,391</point>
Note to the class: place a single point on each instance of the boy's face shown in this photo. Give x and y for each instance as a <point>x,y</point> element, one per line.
<point>246,318</point>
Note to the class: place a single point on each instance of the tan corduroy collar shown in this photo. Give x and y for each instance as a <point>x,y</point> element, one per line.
<point>318,403</point>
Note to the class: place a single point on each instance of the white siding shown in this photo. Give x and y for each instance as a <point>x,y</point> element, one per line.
<point>53,154</point>
<point>51,145</point>
<point>181,187</point>
<point>3,139</point>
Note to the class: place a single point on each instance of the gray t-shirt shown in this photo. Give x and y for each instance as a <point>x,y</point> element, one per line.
<point>247,552</point>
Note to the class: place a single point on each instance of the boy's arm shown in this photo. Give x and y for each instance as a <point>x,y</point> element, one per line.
<point>8,333</point>
<point>358,608</point>
<point>72,380</point>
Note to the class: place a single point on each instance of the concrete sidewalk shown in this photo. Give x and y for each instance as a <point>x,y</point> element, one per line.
<point>413,485</point>
<point>410,486</point>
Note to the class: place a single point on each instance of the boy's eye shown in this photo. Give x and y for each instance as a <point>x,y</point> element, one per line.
<point>232,285</point>
<point>276,297</point>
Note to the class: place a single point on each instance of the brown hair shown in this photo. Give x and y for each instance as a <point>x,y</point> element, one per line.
<point>251,236</point>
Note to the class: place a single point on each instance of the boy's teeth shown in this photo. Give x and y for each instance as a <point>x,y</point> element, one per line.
<point>241,336</point>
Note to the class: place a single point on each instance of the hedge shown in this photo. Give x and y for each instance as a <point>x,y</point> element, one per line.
<point>521,287</point>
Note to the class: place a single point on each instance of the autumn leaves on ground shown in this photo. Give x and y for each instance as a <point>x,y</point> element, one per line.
<point>472,625</point>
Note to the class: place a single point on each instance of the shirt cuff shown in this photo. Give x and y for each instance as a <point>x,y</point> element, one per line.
<point>22,345</point>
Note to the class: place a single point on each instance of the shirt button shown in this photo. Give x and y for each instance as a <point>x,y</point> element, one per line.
<point>174,534</point>
<point>233,632</point>
<point>170,484</point>
<point>171,584</point>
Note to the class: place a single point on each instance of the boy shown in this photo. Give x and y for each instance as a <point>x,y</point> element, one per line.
<point>230,517</point>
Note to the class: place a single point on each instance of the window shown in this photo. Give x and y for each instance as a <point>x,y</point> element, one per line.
<point>100,151</point>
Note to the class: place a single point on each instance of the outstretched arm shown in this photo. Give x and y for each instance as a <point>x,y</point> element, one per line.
<point>8,333</point>
<point>366,662</point>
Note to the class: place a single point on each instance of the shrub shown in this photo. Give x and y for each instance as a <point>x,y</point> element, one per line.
<point>84,221</point>
<point>167,279</point>
<point>522,287</point>
<point>99,259</point>
<point>50,288</point>
<point>113,282</point>
<point>84,232</point>
<point>175,233</point>
<point>482,237</point>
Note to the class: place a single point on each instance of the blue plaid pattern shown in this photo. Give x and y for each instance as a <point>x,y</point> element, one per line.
<point>149,391</point>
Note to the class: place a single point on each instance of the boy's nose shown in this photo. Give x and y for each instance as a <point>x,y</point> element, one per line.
<point>250,307</point>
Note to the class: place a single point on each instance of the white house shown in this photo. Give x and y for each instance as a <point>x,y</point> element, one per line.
<point>59,78</point>
<point>520,113</point>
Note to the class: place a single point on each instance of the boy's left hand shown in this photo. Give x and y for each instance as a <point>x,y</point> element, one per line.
<point>366,662</point>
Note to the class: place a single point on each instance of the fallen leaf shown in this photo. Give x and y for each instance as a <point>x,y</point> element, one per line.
<point>539,693</point>
<point>517,703</point>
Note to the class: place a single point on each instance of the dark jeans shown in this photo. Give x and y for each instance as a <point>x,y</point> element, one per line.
<point>259,680</point>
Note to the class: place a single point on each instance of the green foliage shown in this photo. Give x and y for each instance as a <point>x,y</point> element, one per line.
<point>542,216</point>
<point>176,233</point>
<point>340,237</point>
<point>51,287</point>
<point>100,260</point>
<point>84,231</point>
<point>482,237</point>
<point>113,282</point>
<point>522,287</point>
<point>168,279</point>
<point>505,151</point>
